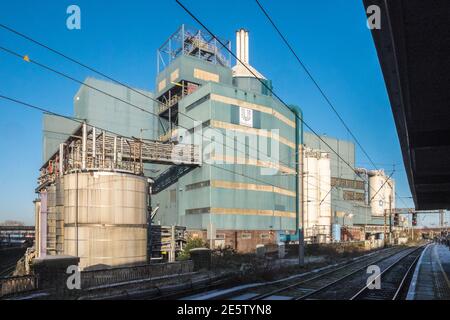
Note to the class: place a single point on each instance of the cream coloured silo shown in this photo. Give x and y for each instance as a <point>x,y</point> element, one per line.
<point>311,191</point>
<point>105,218</point>
<point>317,196</point>
<point>381,191</point>
<point>324,203</point>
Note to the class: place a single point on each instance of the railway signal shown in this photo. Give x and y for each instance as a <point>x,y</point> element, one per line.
<point>414,219</point>
<point>396,219</point>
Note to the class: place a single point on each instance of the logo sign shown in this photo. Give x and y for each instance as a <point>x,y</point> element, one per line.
<point>246,117</point>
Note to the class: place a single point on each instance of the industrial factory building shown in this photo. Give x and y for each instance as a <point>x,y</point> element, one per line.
<point>243,192</point>
<point>354,202</point>
<point>210,150</point>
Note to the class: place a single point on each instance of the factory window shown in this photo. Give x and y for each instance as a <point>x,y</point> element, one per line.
<point>264,236</point>
<point>205,75</point>
<point>198,102</point>
<point>220,236</point>
<point>173,196</point>
<point>204,125</point>
<point>257,119</point>
<point>346,183</point>
<point>246,236</point>
<point>247,147</point>
<point>359,196</point>
<point>234,114</point>
<point>353,196</point>
<point>162,85</point>
<point>359,184</point>
<point>198,210</point>
<point>198,185</point>
<point>174,75</point>
<point>333,182</point>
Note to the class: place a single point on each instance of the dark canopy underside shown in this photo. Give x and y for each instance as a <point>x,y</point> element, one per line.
<point>413,47</point>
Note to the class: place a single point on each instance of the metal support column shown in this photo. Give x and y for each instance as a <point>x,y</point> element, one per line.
<point>94,147</point>
<point>61,159</point>
<point>300,194</point>
<point>115,152</point>
<point>84,147</point>
<point>385,227</point>
<point>390,219</point>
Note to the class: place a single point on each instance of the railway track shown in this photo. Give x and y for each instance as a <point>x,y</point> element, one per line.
<point>345,282</point>
<point>7,271</point>
<point>8,260</point>
<point>354,284</point>
<point>394,279</point>
<point>312,286</point>
<point>265,290</point>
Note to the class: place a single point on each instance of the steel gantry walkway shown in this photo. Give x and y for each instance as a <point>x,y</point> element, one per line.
<point>93,149</point>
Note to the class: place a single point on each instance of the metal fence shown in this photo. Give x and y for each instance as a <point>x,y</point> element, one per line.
<point>95,278</point>
<point>10,286</point>
<point>18,284</point>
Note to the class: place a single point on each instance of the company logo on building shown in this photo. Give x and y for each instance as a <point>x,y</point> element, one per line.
<point>246,117</point>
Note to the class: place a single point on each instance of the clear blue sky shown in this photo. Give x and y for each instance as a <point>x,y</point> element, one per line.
<point>120,38</point>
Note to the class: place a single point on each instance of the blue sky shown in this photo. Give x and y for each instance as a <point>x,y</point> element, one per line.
<point>120,38</point>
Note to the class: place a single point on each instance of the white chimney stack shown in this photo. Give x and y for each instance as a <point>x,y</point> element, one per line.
<point>243,55</point>
<point>242,46</point>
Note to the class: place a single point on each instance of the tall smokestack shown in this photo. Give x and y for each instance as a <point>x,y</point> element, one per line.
<point>243,57</point>
<point>242,46</point>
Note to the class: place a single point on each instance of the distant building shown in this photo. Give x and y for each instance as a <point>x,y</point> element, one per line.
<point>102,111</point>
<point>359,198</point>
<point>14,233</point>
<point>11,223</point>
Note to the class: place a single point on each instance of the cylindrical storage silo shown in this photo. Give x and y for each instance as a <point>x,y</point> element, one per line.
<point>51,220</point>
<point>311,193</point>
<point>105,218</point>
<point>324,220</point>
<point>37,225</point>
<point>377,193</point>
<point>325,186</point>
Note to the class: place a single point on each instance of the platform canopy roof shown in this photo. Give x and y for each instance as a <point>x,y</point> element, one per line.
<point>413,47</point>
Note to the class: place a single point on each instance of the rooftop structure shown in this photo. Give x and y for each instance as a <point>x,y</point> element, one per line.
<point>243,67</point>
<point>193,42</point>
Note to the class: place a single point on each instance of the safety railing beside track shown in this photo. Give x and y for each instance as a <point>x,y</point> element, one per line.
<point>17,284</point>
<point>105,277</point>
